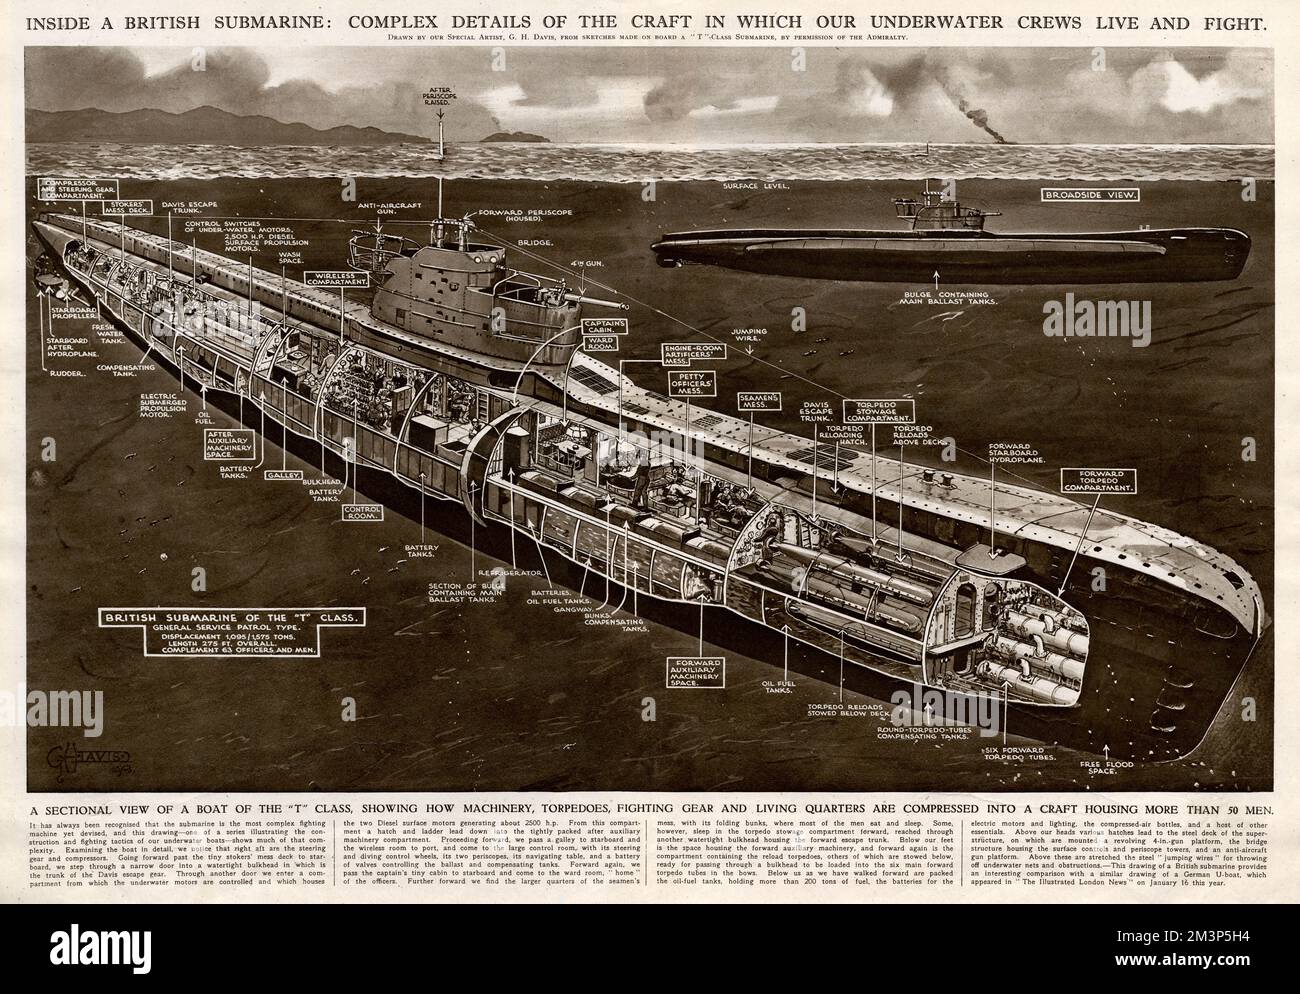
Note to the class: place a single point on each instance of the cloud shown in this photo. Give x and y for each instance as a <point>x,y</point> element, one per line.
<point>862,93</point>
<point>742,105</point>
<point>234,80</point>
<point>681,94</point>
<point>1183,91</point>
<point>1167,97</point>
<point>615,98</point>
<point>648,94</point>
<point>101,76</point>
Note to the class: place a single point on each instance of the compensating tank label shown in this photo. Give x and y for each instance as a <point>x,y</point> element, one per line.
<point>226,632</point>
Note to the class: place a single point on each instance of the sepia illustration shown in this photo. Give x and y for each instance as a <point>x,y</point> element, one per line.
<point>578,419</point>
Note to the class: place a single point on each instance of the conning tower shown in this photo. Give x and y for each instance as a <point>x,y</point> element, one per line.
<point>460,291</point>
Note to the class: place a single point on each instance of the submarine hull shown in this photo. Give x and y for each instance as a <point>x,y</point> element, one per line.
<point>1135,702</point>
<point>1181,255</point>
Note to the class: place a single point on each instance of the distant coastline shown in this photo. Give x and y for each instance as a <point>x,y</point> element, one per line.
<point>514,136</point>
<point>201,126</point>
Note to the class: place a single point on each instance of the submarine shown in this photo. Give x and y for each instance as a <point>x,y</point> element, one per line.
<point>461,380</point>
<point>947,237</point>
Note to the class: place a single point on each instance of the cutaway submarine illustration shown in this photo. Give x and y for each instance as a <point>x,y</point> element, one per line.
<point>945,237</point>
<point>459,378</point>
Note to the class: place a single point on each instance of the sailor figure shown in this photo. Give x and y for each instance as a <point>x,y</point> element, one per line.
<point>641,479</point>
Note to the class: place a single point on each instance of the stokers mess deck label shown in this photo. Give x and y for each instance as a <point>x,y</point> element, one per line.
<point>234,631</point>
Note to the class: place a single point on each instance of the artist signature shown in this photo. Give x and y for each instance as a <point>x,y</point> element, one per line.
<point>68,758</point>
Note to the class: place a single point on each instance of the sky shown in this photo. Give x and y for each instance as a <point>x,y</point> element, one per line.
<point>694,95</point>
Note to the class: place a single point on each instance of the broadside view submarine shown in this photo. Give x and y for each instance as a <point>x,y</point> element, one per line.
<point>462,379</point>
<point>946,237</point>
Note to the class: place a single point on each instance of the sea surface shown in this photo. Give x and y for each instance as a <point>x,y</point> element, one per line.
<point>664,163</point>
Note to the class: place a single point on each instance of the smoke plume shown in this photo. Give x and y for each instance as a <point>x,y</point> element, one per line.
<point>978,116</point>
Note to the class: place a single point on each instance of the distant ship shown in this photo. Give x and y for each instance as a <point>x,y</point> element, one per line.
<point>461,379</point>
<point>948,239</point>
